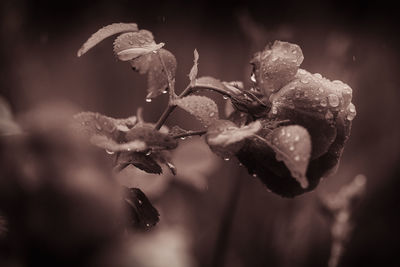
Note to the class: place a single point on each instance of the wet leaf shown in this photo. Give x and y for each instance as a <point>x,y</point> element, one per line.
<point>111,146</point>
<point>132,45</point>
<point>194,70</point>
<point>143,215</point>
<point>203,108</point>
<point>105,32</point>
<point>154,139</point>
<point>143,161</point>
<point>226,139</point>
<point>91,123</point>
<point>292,145</point>
<point>157,70</point>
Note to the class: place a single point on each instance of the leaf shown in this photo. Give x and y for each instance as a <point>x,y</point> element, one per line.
<point>145,162</point>
<point>131,45</point>
<point>142,213</point>
<point>112,146</point>
<point>154,139</point>
<point>292,145</point>
<point>105,32</point>
<point>194,70</point>
<point>226,139</point>
<point>91,123</point>
<point>158,71</point>
<point>210,82</point>
<point>203,108</point>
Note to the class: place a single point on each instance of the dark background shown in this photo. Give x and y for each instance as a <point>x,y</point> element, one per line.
<point>356,42</point>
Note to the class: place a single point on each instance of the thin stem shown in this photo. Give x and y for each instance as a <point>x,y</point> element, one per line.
<point>171,82</point>
<point>191,133</point>
<point>227,223</point>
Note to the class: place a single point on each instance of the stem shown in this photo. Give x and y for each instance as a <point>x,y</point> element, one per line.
<point>191,133</point>
<point>227,223</point>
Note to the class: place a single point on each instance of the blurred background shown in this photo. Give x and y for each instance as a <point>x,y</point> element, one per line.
<point>356,42</point>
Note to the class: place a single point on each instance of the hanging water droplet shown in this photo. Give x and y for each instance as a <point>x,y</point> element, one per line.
<point>109,152</point>
<point>323,102</point>
<point>183,138</point>
<point>148,100</point>
<point>253,77</point>
<point>352,108</point>
<point>226,159</point>
<point>226,97</point>
<point>165,91</point>
<point>297,158</point>
<point>333,100</point>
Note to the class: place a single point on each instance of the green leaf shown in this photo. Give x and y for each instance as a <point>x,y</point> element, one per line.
<point>105,32</point>
<point>194,70</point>
<point>132,45</point>
<point>292,145</point>
<point>203,108</point>
<point>143,215</point>
<point>158,71</point>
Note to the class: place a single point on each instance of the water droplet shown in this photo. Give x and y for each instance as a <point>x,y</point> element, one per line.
<point>165,91</point>
<point>183,138</point>
<point>109,152</point>
<point>147,224</point>
<point>254,175</point>
<point>319,76</point>
<point>140,202</point>
<point>148,153</point>
<point>297,94</point>
<point>316,99</point>
<point>296,138</point>
<point>352,108</point>
<point>323,102</point>
<point>274,110</point>
<point>321,90</point>
<point>304,80</point>
<point>226,159</point>
<point>291,148</point>
<point>297,158</point>
<point>350,116</point>
<point>253,77</point>
<point>333,100</point>
<point>240,164</point>
<point>212,114</point>
<point>288,134</point>
<point>274,59</point>
<point>226,97</point>
<point>294,52</point>
<point>301,71</point>
<point>148,100</point>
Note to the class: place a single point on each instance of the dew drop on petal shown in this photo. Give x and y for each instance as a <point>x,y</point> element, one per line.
<point>226,159</point>
<point>148,100</point>
<point>183,138</point>
<point>291,148</point>
<point>140,202</point>
<point>254,175</point>
<point>333,100</point>
<point>165,91</point>
<point>297,158</point>
<point>296,138</point>
<point>98,127</point>
<point>148,153</point>
<point>323,102</point>
<point>212,114</point>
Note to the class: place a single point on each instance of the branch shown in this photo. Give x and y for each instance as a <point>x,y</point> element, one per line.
<point>191,133</point>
